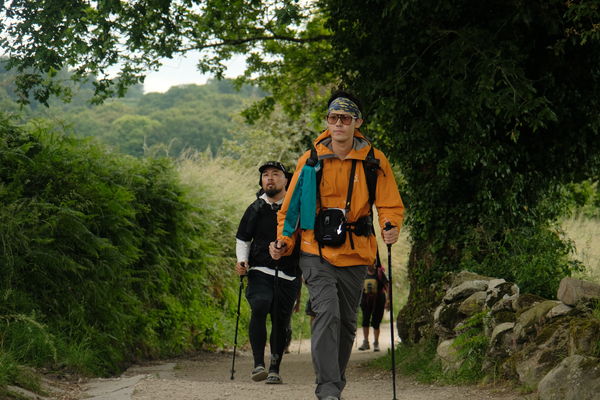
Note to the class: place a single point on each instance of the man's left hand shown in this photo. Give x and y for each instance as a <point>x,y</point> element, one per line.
<point>391,236</point>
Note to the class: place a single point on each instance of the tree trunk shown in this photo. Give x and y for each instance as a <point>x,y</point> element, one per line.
<point>415,319</point>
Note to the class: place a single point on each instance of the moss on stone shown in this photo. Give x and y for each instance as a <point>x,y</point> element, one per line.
<point>550,357</point>
<point>508,368</point>
<point>549,330</point>
<point>585,325</point>
<point>585,336</point>
<point>589,363</point>
<point>526,300</point>
<point>504,316</point>
<point>465,276</point>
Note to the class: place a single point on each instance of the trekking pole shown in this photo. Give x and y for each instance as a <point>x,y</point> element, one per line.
<point>389,226</point>
<point>301,332</point>
<point>274,320</point>
<point>275,316</point>
<point>237,322</point>
<point>301,322</point>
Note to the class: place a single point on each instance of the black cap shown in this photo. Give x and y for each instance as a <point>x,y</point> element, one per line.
<point>273,164</point>
<point>276,165</point>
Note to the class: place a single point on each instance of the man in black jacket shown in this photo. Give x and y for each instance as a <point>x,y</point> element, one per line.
<point>272,285</point>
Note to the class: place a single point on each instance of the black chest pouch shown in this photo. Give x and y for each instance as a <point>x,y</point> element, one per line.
<point>330,227</point>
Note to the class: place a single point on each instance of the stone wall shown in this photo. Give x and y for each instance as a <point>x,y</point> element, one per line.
<point>549,345</point>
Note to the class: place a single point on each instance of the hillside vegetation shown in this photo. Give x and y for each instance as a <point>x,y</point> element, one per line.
<point>106,258</point>
<point>187,116</point>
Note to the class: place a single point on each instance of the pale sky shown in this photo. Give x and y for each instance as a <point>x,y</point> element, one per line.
<point>182,70</point>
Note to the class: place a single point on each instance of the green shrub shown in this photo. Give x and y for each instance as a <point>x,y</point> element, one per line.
<point>471,345</point>
<point>105,258</point>
<point>583,198</point>
<point>417,360</point>
<point>8,368</point>
<point>535,258</point>
<point>28,340</point>
<point>12,373</point>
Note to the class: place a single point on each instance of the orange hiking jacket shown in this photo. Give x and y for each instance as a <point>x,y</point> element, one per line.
<point>333,191</point>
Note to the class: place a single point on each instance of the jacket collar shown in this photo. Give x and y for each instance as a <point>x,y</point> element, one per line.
<point>359,151</point>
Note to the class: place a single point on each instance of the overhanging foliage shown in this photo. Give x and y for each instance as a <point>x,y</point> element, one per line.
<point>487,106</point>
<point>42,37</point>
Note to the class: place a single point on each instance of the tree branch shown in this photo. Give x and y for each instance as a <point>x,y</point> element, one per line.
<point>235,42</point>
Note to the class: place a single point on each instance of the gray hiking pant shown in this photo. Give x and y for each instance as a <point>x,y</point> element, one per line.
<point>335,296</point>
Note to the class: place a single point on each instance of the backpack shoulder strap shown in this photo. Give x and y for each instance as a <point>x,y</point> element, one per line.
<point>313,158</point>
<point>257,204</point>
<point>312,161</point>
<point>371,165</point>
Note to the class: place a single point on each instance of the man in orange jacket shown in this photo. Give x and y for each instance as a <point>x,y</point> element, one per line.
<point>338,245</point>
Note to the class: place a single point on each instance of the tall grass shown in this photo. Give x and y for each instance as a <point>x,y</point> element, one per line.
<point>585,233</point>
<point>400,253</point>
<point>223,190</point>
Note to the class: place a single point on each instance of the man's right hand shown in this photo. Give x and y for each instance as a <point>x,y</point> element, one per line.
<point>241,268</point>
<point>277,249</point>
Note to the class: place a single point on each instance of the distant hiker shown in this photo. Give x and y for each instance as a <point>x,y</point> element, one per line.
<point>272,285</point>
<point>330,199</point>
<point>373,303</point>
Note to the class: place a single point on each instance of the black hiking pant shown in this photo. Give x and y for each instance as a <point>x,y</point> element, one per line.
<point>260,294</point>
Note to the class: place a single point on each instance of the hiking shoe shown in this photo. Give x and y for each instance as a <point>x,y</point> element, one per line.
<point>364,346</point>
<point>331,398</point>
<point>375,346</point>
<point>259,374</point>
<point>273,378</point>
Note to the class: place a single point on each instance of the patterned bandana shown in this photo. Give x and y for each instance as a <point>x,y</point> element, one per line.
<point>345,104</point>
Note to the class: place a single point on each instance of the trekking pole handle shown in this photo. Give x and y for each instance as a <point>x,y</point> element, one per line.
<point>245,265</point>
<point>387,227</point>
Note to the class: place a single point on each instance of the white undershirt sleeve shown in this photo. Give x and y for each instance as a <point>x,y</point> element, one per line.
<point>242,250</point>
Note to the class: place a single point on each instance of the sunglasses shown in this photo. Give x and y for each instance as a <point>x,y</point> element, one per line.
<point>345,118</point>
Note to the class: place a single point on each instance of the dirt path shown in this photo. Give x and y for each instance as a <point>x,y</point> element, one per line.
<point>207,376</point>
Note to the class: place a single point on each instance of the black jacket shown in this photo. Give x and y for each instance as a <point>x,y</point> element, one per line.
<point>259,225</point>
